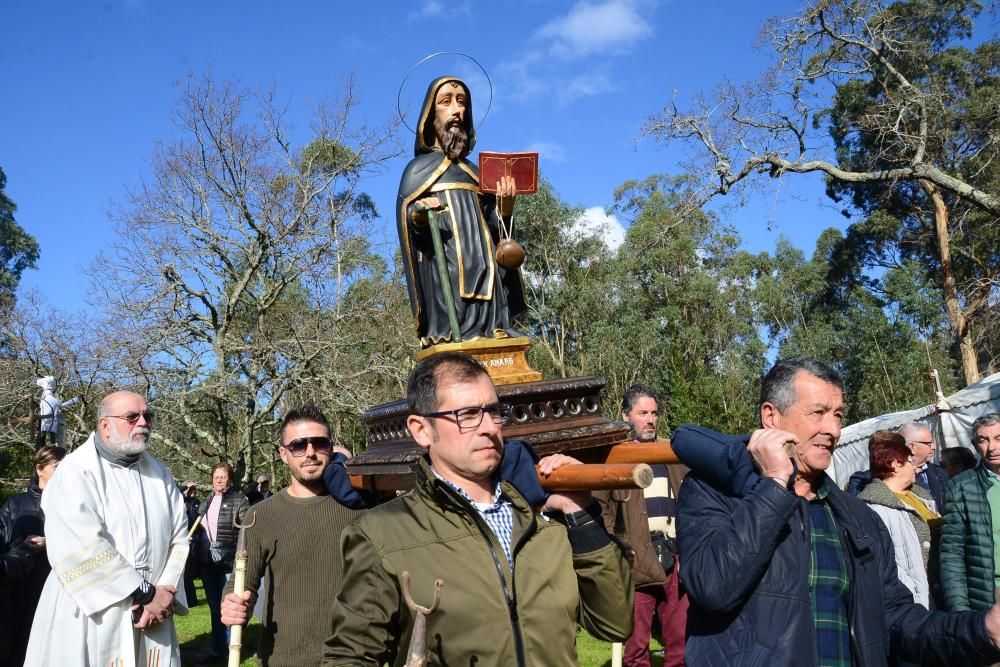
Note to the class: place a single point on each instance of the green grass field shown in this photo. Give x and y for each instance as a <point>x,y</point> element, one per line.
<point>194,629</point>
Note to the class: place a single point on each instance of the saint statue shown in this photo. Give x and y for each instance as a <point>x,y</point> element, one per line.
<point>485,297</point>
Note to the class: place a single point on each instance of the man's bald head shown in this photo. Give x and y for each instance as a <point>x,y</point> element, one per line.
<point>920,440</point>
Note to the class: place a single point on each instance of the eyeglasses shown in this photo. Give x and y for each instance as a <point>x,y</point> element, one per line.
<point>298,447</point>
<point>469,418</point>
<point>133,417</point>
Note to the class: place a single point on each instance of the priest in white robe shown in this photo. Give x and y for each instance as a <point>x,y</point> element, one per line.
<point>116,536</point>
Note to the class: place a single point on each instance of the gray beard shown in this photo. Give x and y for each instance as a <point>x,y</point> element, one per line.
<point>452,140</point>
<point>128,446</point>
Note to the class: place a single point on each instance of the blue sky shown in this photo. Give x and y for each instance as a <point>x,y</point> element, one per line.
<point>88,89</point>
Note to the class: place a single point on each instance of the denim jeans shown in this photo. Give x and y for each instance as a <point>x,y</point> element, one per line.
<point>214,579</point>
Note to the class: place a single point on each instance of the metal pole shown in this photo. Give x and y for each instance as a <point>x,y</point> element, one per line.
<point>444,277</point>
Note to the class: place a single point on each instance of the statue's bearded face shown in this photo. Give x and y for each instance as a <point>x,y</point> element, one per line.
<point>449,119</point>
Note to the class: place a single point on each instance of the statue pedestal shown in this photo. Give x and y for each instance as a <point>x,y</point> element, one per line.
<point>503,357</point>
<point>562,415</point>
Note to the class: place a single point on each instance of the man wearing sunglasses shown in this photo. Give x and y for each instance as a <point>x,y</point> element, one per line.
<point>516,583</point>
<point>294,546</point>
<point>116,535</point>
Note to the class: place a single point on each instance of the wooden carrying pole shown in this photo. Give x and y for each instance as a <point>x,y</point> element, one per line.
<point>584,476</point>
<point>642,452</point>
<point>573,477</point>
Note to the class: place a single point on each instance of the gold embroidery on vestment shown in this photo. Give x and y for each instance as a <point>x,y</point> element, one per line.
<point>86,566</point>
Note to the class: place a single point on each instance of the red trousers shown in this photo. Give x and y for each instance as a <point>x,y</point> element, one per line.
<point>671,604</point>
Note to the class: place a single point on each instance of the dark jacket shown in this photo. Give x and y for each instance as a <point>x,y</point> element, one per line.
<point>745,555</point>
<point>234,508</point>
<point>24,571</point>
<point>935,484</point>
<point>967,543</point>
<point>625,516</point>
<point>488,614</point>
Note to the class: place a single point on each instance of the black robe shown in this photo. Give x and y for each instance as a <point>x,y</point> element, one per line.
<point>487,297</point>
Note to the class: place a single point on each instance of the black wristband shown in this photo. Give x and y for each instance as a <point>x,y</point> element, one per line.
<point>144,594</point>
<point>582,517</point>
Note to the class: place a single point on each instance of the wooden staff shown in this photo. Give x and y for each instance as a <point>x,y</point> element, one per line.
<point>416,656</point>
<point>239,587</point>
<point>443,276</point>
<point>587,476</point>
<point>194,526</point>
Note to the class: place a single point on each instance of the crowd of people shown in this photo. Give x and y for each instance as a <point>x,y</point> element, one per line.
<point>748,553</point>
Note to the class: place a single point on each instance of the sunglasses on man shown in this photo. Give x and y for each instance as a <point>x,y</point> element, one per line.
<point>298,447</point>
<point>133,417</point>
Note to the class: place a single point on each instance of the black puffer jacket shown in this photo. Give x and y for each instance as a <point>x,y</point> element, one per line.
<point>745,554</point>
<point>24,571</point>
<point>20,517</point>
<point>234,506</point>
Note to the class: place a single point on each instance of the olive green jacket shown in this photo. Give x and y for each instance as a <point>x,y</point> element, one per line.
<point>488,615</point>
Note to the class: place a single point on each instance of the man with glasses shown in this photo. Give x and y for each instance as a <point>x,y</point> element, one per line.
<point>515,583</point>
<point>116,536</point>
<point>930,476</point>
<point>294,546</point>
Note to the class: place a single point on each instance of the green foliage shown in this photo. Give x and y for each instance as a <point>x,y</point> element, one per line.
<point>18,249</point>
<point>956,112</point>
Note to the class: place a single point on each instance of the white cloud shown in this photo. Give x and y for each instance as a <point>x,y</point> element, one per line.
<point>548,151</point>
<point>595,220</point>
<point>586,84</point>
<point>432,9</point>
<point>589,29</point>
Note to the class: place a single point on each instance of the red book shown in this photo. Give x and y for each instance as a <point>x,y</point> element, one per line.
<point>522,166</point>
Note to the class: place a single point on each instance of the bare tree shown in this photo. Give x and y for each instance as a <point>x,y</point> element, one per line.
<point>905,107</point>
<point>231,277</point>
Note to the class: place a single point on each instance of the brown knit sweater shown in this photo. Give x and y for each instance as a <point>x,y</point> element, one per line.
<point>295,546</point>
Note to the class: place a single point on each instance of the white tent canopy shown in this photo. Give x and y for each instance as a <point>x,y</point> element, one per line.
<point>950,419</point>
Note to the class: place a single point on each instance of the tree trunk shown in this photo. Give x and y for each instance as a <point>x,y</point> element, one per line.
<point>956,317</point>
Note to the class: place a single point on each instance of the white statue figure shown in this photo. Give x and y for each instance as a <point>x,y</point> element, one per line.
<point>50,409</point>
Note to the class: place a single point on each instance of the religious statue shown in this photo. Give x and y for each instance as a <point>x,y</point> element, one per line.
<point>50,411</point>
<point>440,186</point>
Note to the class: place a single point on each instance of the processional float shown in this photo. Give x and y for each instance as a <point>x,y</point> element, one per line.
<point>562,415</point>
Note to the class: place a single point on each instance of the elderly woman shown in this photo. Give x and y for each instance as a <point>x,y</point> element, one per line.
<point>217,547</point>
<point>907,510</point>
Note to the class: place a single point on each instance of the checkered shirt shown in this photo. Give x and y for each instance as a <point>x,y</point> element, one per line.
<point>828,586</point>
<point>499,516</point>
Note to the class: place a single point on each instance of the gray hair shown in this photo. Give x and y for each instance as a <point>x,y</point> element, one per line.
<point>778,386</point>
<point>909,430</point>
<point>989,419</point>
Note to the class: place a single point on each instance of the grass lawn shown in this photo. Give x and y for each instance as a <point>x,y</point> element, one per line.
<point>194,630</point>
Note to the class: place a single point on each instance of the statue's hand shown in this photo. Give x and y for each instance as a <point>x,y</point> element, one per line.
<point>506,194</point>
<point>428,204</point>
<point>420,207</point>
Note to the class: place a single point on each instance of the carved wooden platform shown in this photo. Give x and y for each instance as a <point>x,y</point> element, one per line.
<point>553,416</point>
